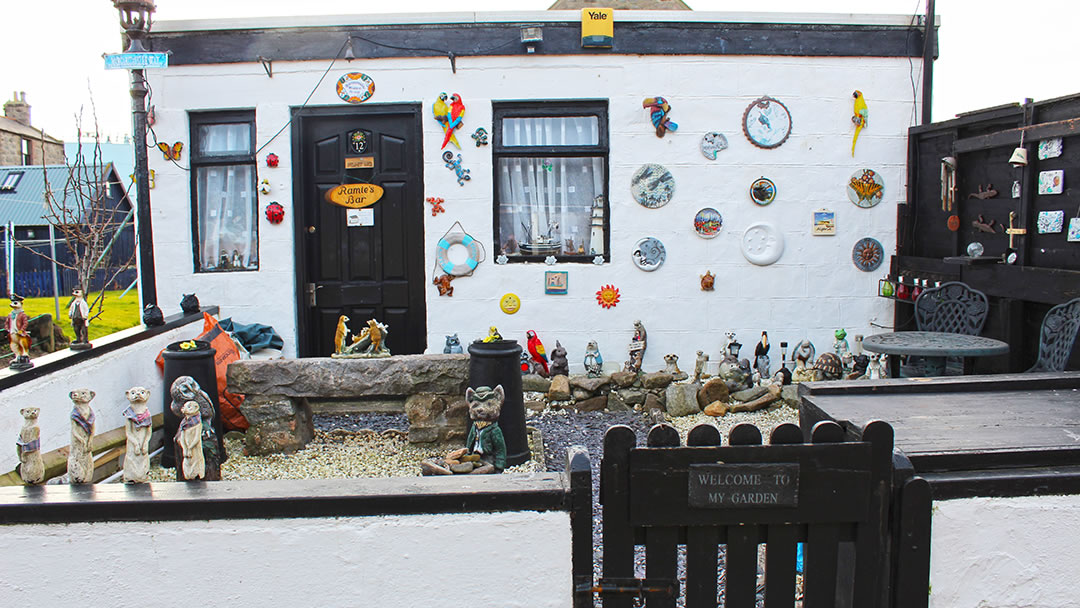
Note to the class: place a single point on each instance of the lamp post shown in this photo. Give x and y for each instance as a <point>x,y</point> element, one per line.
<point>136,17</point>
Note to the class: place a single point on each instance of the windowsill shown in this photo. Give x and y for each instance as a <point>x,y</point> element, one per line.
<point>541,259</point>
<point>214,271</point>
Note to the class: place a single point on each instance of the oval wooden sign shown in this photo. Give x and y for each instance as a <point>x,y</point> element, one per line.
<point>354,196</point>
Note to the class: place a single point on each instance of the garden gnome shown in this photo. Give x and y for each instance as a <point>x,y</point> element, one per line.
<point>28,447</point>
<point>559,365</point>
<point>189,443</point>
<point>183,390</point>
<point>485,446</point>
<point>16,323</point>
<point>81,455</point>
<point>593,361</point>
<point>638,343</point>
<point>138,427</point>
<point>79,313</point>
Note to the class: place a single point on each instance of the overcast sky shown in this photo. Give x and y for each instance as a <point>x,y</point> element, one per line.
<point>992,51</point>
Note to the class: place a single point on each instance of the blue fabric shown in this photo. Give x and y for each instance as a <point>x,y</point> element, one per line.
<point>255,336</point>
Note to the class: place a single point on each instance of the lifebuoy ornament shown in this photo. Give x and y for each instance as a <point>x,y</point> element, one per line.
<point>442,254</point>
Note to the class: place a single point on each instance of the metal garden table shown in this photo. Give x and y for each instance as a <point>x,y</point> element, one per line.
<point>933,345</point>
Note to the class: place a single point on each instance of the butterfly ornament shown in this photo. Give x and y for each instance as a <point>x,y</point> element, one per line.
<point>171,152</point>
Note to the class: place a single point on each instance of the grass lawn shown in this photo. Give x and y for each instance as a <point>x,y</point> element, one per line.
<point>119,313</point>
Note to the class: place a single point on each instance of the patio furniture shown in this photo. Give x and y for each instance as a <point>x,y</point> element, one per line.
<point>952,308</point>
<point>1058,334</point>
<point>933,346</point>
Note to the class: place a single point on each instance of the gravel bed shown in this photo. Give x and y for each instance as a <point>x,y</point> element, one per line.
<point>377,422</point>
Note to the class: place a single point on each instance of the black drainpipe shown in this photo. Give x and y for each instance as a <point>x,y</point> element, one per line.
<point>929,40</point>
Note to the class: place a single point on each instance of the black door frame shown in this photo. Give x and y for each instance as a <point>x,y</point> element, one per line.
<point>299,116</point>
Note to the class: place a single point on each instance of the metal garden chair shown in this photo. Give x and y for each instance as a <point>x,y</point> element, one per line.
<point>951,308</point>
<point>1058,334</point>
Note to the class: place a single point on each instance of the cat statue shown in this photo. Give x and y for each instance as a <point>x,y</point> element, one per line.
<point>138,426</point>
<point>31,466</point>
<point>189,304</point>
<point>81,455</point>
<point>485,446</point>
<point>453,345</point>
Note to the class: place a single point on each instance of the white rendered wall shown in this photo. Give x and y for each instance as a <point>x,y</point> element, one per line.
<point>1005,552</point>
<point>480,560</point>
<point>813,289</point>
<point>108,375</point>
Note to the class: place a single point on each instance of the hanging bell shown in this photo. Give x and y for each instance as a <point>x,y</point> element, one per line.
<point>1019,157</point>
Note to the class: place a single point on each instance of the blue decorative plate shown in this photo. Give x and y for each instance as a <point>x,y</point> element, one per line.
<point>652,186</point>
<point>649,254</point>
<point>868,254</point>
<point>708,223</point>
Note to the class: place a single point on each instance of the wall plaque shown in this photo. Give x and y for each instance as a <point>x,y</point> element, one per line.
<point>355,196</point>
<point>359,162</point>
<point>742,486</point>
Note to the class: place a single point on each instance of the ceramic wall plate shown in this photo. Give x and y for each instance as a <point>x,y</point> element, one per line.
<point>1051,182</point>
<point>711,143</point>
<point>1074,230</point>
<point>762,244</point>
<point>866,188</point>
<point>766,123</point>
<point>708,222</point>
<point>355,87</point>
<point>649,254</point>
<point>763,191</point>
<point>867,254</point>
<point>975,249</point>
<point>652,186</point>
<point>1050,148</point>
<point>1051,222</point>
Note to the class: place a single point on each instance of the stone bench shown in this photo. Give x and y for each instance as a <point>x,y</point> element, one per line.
<point>278,395</point>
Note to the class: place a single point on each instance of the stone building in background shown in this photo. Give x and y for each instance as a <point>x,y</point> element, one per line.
<point>22,144</point>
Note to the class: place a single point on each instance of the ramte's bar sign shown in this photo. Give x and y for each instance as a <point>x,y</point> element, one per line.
<point>741,486</point>
<point>354,196</point>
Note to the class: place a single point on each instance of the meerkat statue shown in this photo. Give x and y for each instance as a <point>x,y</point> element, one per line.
<point>189,441</point>
<point>699,365</point>
<point>341,334</point>
<point>81,454</point>
<point>31,466</point>
<point>138,427</point>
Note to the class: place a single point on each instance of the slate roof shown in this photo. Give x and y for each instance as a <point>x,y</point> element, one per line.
<point>26,204</point>
<point>13,126</point>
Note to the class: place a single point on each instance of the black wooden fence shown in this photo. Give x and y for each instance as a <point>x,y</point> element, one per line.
<point>863,523</point>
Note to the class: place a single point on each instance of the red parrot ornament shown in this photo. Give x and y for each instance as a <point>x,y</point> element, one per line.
<point>536,349</point>
<point>457,114</point>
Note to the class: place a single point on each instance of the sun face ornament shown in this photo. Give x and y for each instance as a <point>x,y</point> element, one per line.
<point>607,296</point>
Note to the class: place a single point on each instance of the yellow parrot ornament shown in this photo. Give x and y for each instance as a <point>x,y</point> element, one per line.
<point>442,114</point>
<point>861,117</point>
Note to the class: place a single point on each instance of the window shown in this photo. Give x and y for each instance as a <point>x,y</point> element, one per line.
<point>11,180</point>
<point>225,224</point>
<point>27,157</point>
<point>551,162</point>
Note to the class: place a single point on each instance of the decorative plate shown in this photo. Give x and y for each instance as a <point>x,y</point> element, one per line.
<point>953,223</point>
<point>868,254</point>
<point>1051,222</point>
<point>708,222</point>
<point>711,143</point>
<point>763,191</point>
<point>355,87</point>
<point>975,249</point>
<point>866,188</point>
<point>1050,148</point>
<point>1051,182</point>
<point>766,123</point>
<point>762,244</point>
<point>649,254</point>
<point>652,186</point>
<point>1074,230</point>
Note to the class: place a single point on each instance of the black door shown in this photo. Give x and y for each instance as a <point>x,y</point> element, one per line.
<point>365,264</point>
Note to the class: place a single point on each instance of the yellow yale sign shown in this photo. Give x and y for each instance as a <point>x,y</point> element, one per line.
<point>597,28</point>
<point>354,196</point>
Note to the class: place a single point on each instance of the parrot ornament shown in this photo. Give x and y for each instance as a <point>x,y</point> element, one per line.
<point>659,109</point>
<point>456,115</point>
<point>442,115</point>
<point>861,117</point>
<point>493,335</point>
<point>536,349</point>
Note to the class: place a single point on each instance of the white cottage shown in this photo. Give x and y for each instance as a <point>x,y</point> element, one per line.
<point>567,132</point>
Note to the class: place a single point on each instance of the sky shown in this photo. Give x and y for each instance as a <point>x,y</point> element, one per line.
<point>992,52</point>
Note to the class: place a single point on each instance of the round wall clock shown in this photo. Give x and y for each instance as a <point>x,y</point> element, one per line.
<point>767,123</point>
<point>708,222</point>
<point>866,188</point>
<point>762,244</point>
<point>649,254</point>
<point>652,186</point>
<point>711,143</point>
<point>355,87</point>
<point>763,191</point>
<point>867,254</point>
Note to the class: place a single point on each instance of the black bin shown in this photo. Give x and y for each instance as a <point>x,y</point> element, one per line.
<point>499,362</point>
<point>199,364</point>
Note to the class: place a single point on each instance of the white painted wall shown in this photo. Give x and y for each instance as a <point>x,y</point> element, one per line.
<point>813,289</point>
<point>108,375</point>
<point>508,560</point>
<point>1005,552</point>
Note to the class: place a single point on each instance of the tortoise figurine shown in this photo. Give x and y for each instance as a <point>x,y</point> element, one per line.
<point>828,367</point>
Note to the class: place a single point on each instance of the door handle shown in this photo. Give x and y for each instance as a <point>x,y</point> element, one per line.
<point>311,287</point>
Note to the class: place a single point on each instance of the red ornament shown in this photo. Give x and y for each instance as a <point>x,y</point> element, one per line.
<point>271,160</point>
<point>953,223</point>
<point>436,205</point>
<point>608,296</point>
<point>275,213</point>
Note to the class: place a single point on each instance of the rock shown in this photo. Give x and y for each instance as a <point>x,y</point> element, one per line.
<point>772,393</point>
<point>278,424</point>
<point>617,403</point>
<point>682,400</point>
<point>533,382</point>
<point>714,390</point>
<point>462,468</point>
<point>652,402</point>
<point>423,434</point>
<point>657,379</point>
<point>434,417</point>
<point>594,404</point>
<point>749,394</point>
<point>631,397</point>
<point>535,406</point>
<point>716,408</point>
<point>624,379</point>
<point>581,394</point>
<point>790,395</point>
<point>661,395</point>
<point>328,378</point>
<point>430,468</point>
<point>559,389</point>
<point>589,384</point>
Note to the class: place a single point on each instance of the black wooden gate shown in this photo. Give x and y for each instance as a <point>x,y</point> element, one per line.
<point>729,508</point>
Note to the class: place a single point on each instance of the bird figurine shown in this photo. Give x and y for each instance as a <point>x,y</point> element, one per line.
<point>442,114</point>
<point>536,349</point>
<point>659,109</point>
<point>861,117</point>
<point>761,356</point>
<point>493,335</point>
<point>593,361</point>
<point>457,114</point>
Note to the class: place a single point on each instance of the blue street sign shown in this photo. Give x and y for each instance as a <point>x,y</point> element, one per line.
<point>136,61</point>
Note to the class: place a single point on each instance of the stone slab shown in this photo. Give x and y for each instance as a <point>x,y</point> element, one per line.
<point>335,378</point>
